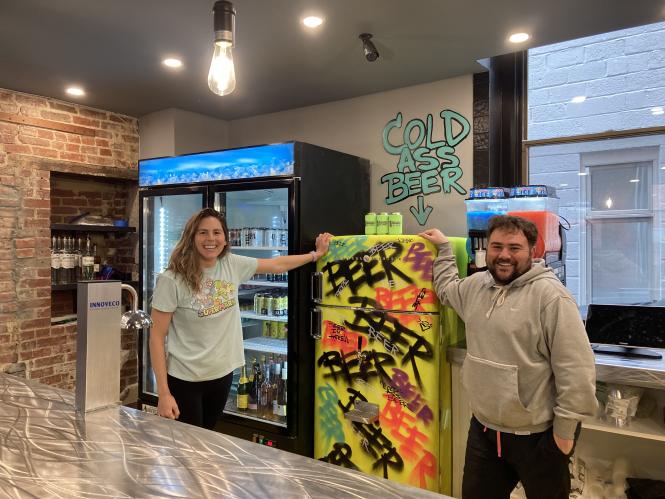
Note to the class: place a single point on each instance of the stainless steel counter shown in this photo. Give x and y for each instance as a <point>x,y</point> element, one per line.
<point>47,451</point>
<point>609,368</point>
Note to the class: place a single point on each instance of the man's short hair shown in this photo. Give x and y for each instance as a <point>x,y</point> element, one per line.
<point>514,224</point>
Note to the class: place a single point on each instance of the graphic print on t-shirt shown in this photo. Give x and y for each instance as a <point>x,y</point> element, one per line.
<point>214,297</point>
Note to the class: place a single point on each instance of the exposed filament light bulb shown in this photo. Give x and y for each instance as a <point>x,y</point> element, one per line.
<point>222,74</point>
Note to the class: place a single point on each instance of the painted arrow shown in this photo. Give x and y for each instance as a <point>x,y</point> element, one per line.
<point>421,213</point>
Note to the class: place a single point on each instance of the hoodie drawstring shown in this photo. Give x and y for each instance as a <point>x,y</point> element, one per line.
<point>497,300</point>
<point>498,441</point>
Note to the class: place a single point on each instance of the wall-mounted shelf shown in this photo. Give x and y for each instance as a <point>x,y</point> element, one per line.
<point>90,228</point>
<point>72,286</point>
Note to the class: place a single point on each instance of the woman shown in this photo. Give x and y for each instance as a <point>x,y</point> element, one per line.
<point>195,303</point>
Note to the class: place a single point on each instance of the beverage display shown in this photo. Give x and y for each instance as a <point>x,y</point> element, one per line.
<point>382,223</point>
<point>55,261</point>
<point>483,204</point>
<point>370,224</point>
<point>87,261</point>
<point>395,223</point>
<point>242,398</point>
<point>539,204</point>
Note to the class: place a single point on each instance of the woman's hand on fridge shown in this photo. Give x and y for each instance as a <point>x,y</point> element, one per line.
<point>322,244</point>
<point>167,407</point>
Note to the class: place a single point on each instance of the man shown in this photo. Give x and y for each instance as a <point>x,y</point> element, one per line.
<point>529,371</point>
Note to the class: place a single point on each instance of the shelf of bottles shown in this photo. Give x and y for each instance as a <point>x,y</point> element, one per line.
<point>259,389</point>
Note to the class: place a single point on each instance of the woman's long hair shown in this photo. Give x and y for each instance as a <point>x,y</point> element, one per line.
<point>185,260</point>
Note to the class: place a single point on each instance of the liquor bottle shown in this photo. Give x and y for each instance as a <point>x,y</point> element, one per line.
<point>78,264</point>
<point>281,394</point>
<point>97,261</point>
<point>67,262</point>
<point>265,395</point>
<point>62,278</point>
<point>253,400</point>
<point>87,261</point>
<point>55,261</point>
<point>242,399</point>
<point>276,380</point>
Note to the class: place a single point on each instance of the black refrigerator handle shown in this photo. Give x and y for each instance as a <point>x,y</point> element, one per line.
<point>315,323</point>
<point>317,287</point>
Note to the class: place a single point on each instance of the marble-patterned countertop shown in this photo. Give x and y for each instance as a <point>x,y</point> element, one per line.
<point>48,451</point>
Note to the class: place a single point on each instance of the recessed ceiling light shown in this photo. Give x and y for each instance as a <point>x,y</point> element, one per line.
<point>582,174</point>
<point>578,98</point>
<point>563,185</point>
<point>75,91</point>
<point>172,62</point>
<point>518,37</point>
<point>634,180</point>
<point>657,110</point>
<point>312,21</point>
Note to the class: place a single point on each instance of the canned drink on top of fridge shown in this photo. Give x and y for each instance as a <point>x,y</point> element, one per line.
<point>395,223</point>
<point>370,223</point>
<point>382,223</point>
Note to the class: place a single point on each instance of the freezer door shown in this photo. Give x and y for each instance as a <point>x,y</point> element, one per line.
<point>164,214</point>
<point>259,217</point>
<point>377,393</point>
<point>382,272</point>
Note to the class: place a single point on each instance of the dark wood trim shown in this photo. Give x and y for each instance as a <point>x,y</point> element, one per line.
<point>51,125</point>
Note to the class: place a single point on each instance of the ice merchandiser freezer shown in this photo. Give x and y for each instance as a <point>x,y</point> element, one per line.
<point>382,397</point>
<point>276,199</point>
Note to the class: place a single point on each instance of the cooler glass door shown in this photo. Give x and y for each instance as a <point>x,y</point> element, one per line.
<point>377,393</point>
<point>384,272</point>
<point>258,219</point>
<point>164,215</point>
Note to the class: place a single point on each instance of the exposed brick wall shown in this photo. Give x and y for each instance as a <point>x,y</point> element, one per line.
<point>40,137</point>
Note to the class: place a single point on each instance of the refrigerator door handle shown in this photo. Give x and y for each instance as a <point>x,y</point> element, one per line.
<point>317,287</point>
<point>315,323</point>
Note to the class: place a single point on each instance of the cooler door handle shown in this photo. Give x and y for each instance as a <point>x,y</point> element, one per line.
<point>317,287</point>
<point>315,323</point>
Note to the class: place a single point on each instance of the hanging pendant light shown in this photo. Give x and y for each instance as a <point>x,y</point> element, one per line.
<point>222,75</point>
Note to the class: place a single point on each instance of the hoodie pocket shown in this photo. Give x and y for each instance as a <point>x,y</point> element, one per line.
<point>493,392</point>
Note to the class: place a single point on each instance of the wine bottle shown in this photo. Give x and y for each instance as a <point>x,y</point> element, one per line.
<point>87,261</point>
<point>242,399</point>
<point>281,393</point>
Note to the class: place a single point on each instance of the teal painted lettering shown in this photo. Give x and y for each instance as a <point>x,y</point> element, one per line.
<point>406,161</point>
<point>430,182</point>
<point>387,146</point>
<point>430,144</point>
<point>397,189</point>
<point>448,117</point>
<point>447,156</point>
<point>412,180</point>
<point>450,176</point>
<point>425,162</point>
<point>410,126</point>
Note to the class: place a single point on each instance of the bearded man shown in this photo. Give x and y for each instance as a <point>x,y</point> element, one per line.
<point>529,371</point>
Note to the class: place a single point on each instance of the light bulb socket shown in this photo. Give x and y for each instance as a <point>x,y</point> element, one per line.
<point>371,54</point>
<point>224,19</point>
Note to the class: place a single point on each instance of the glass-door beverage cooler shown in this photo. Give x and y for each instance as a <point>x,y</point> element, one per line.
<point>276,199</point>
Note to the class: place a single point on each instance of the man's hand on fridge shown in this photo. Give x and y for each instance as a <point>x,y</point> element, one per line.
<point>434,236</point>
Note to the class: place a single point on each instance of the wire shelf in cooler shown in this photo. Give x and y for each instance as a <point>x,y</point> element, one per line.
<point>267,345</point>
<point>261,248</point>
<point>252,315</point>
<point>271,284</point>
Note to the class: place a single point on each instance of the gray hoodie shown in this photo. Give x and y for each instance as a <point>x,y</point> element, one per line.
<point>529,364</point>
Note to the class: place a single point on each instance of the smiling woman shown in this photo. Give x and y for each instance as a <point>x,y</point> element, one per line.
<point>195,303</point>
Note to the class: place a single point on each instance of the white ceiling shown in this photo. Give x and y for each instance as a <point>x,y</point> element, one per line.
<point>113,48</point>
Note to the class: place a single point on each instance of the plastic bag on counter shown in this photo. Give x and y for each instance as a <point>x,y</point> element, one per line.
<point>621,404</point>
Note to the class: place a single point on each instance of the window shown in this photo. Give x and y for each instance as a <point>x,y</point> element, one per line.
<point>596,132</point>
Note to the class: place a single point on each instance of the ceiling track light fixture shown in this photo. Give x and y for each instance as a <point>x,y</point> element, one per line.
<point>371,54</point>
<point>222,75</point>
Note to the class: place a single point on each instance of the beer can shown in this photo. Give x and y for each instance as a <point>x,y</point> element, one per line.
<point>270,305</point>
<point>382,223</point>
<point>370,223</point>
<point>395,223</point>
<point>281,330</point>
<point>257,303</point>
<point>266,329</point>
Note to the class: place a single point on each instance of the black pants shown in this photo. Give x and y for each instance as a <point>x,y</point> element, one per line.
<point>534,459</point>
<point>201,402</point>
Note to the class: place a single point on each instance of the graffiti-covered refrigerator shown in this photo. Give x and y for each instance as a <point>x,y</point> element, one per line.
<point>382,404</point>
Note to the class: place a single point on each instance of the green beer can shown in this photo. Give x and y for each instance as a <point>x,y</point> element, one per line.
<point>382,223</point>
<point>370,224</point>
<point>395,223</point>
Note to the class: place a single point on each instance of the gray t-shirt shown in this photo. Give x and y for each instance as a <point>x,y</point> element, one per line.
<point>205,333</point>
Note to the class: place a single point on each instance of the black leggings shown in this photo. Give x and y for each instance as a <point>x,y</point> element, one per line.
<point>200,402</point>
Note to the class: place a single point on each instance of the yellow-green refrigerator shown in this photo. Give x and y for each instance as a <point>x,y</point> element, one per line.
<point>382,387</point>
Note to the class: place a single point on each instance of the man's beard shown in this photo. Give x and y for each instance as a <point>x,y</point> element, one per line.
<point>515,274</point>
